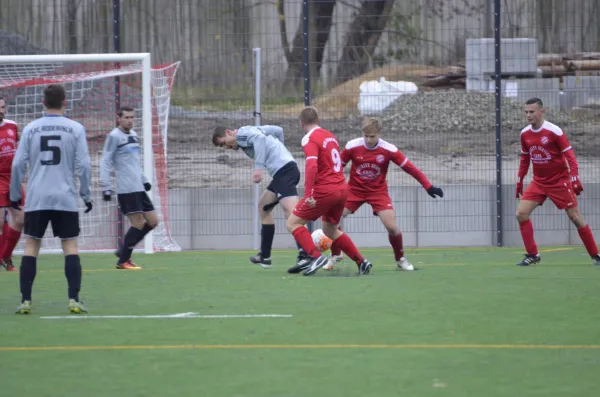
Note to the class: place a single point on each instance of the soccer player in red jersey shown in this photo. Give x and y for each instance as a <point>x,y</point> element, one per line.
<point>371,157</point>
<point>325,192</point>
<point>555,176</point>
<point>11,231</point>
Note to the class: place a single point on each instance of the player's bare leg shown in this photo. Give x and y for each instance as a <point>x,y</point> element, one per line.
<point>524,210</point>
<point>141,224</point>
<point>585,233</point>
<point>388,218</point>
<point>344,243</point>
<point>297,226</point>
<point>11,234</point>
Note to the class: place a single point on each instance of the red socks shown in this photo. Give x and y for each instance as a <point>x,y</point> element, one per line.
<point>527,234</point>
<point>397,246</point>
<point>303,237</point>
<point>10,239</point>
<point>588,240</point>
<point>344,243</point>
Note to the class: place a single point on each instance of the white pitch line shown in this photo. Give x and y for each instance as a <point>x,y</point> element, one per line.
<point>177,315</point>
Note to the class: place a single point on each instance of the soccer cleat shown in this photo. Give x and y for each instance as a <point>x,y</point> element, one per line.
<point>24,308</point>
<point>316,264</point>
<point>129,265</point>
<point>530,259</point>
<point>364,267</point>
<point>333,260</point>
<point>76,307</point>
<point>257,259</point>
<point>596,260</point>
<point>8,265</point>
<point>403,264</point>
<point>302,265</point>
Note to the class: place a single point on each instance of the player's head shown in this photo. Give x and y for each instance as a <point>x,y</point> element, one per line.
<point>224,137</point>
<point>126,116</point>
<point>55,97</point>
<point>371,131</point>
<point>309,117</point>
<point>534,111</point>
<point>2,108</point>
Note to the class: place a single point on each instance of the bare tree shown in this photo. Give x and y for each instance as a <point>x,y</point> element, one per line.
<point>72,6</point>
<point>363,36</point>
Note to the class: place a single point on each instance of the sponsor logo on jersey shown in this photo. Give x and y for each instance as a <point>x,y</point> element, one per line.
<point>368,171</point>
<point>539,155</point>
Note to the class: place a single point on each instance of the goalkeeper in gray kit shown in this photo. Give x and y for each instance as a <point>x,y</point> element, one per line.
<point>55,150</point>
<point>122,153</point>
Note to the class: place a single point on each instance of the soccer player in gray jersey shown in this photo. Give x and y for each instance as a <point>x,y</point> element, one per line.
<point>55,149</point>
<point>122,153</point>
<point>265,145</point>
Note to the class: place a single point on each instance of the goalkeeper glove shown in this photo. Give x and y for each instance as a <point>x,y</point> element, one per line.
<point>434,191</point>
<point>147,186</point>
<point>519,187</point>
<point>88,206</point>
<point>15,205</point>
<point>576,184</point>
<point>107,195</point>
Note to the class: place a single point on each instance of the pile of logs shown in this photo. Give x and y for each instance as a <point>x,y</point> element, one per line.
<point>453,77</point>
<point>579,64</point>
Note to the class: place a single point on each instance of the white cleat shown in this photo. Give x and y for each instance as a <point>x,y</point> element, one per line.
<point>403,264</point>
<point>333,260</point>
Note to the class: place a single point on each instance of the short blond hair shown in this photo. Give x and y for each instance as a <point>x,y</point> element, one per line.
<point>309,115</point>
<point>371,125</point>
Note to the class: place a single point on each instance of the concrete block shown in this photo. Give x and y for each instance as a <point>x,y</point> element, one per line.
<point>519,56</point>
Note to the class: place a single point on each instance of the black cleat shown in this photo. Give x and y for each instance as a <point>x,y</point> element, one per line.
<point>596,260</point>
<point>302,265</point>
<point>315,264</point>
<point>530,259</point>
<point>257,259</point>
<point>364,267</point>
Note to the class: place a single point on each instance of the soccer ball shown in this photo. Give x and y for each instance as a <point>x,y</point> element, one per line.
<point>322,242</point>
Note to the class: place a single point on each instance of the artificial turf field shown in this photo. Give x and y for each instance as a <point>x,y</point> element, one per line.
<point>467,323</point>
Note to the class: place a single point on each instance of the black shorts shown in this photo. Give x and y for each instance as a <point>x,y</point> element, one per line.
<point>65,224</point>
<point>136,202</point>
<point>285,181</point>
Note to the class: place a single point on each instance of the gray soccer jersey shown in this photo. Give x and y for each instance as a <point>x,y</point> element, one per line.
<point>264,144</point>
<point>122,152</point>
<point>55,148</point>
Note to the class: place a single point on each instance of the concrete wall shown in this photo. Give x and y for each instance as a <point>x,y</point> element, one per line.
<point>466,216</point>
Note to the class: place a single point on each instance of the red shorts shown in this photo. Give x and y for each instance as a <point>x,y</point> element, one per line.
<point>330,206</point>
<point>379,201</point>
<point>5,195</point>
<point>560,194</point>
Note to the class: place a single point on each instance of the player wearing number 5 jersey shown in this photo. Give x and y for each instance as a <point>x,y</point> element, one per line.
<point>55,150</point>
<point>325,192</point>
<point>371,156</point>
<point>555,176</point>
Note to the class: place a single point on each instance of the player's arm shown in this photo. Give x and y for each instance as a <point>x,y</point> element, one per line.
<point>19,168</point>
<point>407,166</point>
<point>106,164</point>
<point>249,136</point>
<point>565,146</point>
<point>311,151</point>
<point>346,156</point>
<point>83,167</point>
<point>274,131</point>
<point>523,167</point>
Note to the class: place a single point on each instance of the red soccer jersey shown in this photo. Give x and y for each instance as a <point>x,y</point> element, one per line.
<point>321,146</point>
<point>370,165</point>
<point>546,148</point>
<point>8,146</point>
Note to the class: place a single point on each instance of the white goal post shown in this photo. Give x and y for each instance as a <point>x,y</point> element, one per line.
<point>89,80</point>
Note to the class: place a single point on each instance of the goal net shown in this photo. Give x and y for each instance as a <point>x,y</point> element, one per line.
<point>95,87</point>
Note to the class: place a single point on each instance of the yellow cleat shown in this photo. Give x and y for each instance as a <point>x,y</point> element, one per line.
<point>24,308</point>
<point>76,307</point>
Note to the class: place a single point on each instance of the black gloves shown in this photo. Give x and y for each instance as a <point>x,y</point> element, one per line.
<point>106,195</point>
<point>434,191</point>
<point>147,186</point>
<point>89,206</point>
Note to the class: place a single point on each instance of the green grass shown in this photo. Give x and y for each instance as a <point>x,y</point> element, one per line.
<point>467,323</point>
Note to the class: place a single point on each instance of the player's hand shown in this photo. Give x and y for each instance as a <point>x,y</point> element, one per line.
<point>576,184</point>
<point>311,202</point>
<point>147,186</point>
<point>519,191</point>
<point>15,205</point>
<point>434,191</point>
<point>107,195</point>
<point>257,176</point>
<point>88,207</point>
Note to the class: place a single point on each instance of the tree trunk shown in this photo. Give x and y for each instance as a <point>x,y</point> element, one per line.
<point>323,13</point>
<point>363,36</point>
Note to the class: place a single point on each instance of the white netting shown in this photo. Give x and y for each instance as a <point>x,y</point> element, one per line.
<point>91,100</point>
